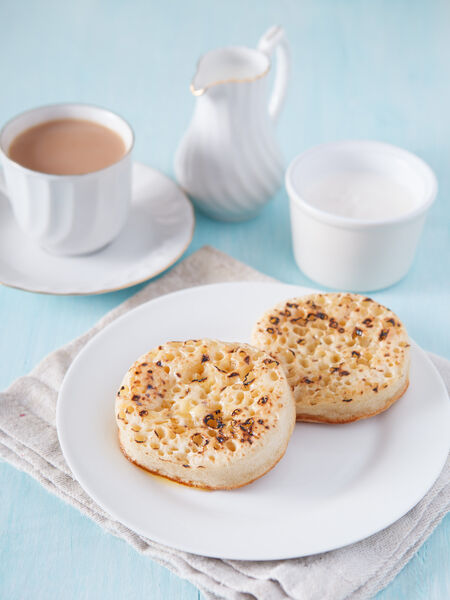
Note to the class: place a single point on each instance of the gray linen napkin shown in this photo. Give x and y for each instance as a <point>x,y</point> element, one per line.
<point>28,440</point>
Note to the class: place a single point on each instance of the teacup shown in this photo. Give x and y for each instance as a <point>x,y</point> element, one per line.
<point>68,214</point>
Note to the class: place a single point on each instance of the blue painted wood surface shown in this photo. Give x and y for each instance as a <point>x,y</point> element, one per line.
<point>362,69</point>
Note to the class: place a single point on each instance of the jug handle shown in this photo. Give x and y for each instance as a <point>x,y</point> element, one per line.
<point>274,38</point>
<point>2,182</point>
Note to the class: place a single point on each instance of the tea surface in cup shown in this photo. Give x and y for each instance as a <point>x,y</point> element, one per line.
<point>67,147</point>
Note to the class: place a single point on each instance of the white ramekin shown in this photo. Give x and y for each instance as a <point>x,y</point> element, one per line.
<point>354,254</point>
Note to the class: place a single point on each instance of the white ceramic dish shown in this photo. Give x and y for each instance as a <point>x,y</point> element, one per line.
<point>158,231</point>
<point>335,485</point>
<point>355,254</point>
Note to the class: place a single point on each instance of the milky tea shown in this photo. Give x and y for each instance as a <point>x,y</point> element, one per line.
<point>67,147</point>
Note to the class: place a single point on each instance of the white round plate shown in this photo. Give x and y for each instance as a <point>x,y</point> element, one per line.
<point>159,229</point>
<point>337,484</point>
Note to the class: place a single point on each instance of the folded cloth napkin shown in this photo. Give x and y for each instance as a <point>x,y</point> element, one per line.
<point>28,440</point>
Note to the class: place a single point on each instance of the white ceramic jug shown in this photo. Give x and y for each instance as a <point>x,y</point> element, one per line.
<point>228,160</point>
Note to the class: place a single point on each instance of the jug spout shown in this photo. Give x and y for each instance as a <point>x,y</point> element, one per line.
<point>225,65</point>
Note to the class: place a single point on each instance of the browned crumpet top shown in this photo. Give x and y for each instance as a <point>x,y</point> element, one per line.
<point>196,403</point>
<point>335,348</point>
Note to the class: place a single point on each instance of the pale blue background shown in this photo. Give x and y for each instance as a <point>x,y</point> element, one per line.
<point>362,69</point>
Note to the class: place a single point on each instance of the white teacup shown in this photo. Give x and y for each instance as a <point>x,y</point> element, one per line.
<point>68,214</point>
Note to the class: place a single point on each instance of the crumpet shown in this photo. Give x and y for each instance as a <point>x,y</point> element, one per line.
<point>205,413</point>
<point>345,356</point>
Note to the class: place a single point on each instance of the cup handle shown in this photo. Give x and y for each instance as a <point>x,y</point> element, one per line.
<point>274,38</point>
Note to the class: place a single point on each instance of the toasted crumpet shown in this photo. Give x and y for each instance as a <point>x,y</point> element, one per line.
<point>205,413</point>
<point>346,357</point>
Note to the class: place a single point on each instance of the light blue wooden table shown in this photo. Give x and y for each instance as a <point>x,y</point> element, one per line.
<point>362,69</point>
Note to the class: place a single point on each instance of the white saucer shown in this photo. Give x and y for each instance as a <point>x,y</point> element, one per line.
<point>337,484</point>
<point>159,230</point>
